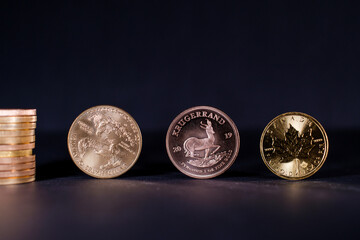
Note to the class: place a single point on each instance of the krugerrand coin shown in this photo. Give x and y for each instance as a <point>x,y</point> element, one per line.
<point>294,145</point>
<point>202,142</point>
<point>104,141</point>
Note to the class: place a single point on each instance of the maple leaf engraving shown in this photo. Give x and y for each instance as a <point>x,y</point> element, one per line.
<point>293,145</point>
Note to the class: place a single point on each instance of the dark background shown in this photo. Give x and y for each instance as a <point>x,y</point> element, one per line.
<point>252,59</point>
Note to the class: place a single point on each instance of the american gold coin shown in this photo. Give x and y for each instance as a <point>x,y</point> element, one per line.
<point>17,140</point>
<point>15,167</point>
<point>294,145</point>
<point>18,153</point>
<point>17,180</point>
<point>17,112</point>
<point>18,119</point>
<point>17,133</point>
<point>16,126</point>
<point>17,147</point>
<point>21,173</point>
<point>17,160</point>
<point>104,141</point>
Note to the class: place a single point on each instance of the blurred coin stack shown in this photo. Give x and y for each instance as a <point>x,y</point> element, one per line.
<point>17,141</point>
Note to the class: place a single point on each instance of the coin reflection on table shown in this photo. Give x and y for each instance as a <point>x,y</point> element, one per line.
<point>294,145</point>
<point>104,141</point>
<point>202,142</point>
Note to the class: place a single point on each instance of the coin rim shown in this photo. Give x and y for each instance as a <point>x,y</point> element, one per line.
<point>322,131</point>
<point>138,153</point>
<point>237,143</point>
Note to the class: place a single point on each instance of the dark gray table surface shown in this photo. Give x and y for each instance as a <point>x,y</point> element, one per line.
<point>155,201</point>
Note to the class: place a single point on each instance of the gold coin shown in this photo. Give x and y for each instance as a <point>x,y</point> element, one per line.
<point>16,167</point>
<point>18,153</point>
<point>104,141</point>
<point>16,160</point>
<point>21,173</point>
<point>17,133</point>
<point>16,119</point>
<point>17,180</point>
<point>294,145</point>
<point>17,140</point>
<point>17,147</point>
<point>17,112</point>
<point>15,126</point>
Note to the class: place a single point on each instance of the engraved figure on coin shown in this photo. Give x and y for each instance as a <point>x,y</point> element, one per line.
<point>193,144</point>
<point>101,143</point>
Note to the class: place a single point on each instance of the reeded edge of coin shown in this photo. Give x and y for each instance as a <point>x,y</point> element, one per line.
<point>17,112</point>
<point>17,180</point>
<point>17,167</point>
<point>126,113</point>
<point>322,131</point>
<point>7,147</point>
<point>16,133</point>
<point>18,119</point>
<point>19,173</point>
<point>17,140</point>
<point>237,141</point>
<point>15,153</point>
<point>16,160</point>
<point>17,126</point>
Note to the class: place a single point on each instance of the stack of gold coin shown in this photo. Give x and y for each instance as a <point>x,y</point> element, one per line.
<point>17,141</point>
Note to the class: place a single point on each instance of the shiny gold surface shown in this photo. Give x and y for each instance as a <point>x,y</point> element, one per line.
<point>104,141</point>
<point>19,153</point>
<point>17,140</point>
<point>17,180</point>
<point>17,112</point>
<point>294,146</point>
<point>17,126</point>
<point>13,167</point>
<point>18,119</point>
<point>16,160</point>
<point>17,133</point>
<point>21,173</point>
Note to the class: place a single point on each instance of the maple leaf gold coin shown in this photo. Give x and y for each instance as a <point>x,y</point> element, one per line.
<point>202,142</point>
<point>104,141</point>
<point>294,145</point>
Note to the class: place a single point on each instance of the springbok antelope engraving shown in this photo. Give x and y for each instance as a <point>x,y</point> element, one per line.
<point>193,144</point>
